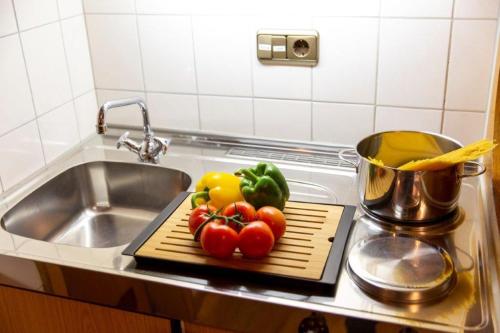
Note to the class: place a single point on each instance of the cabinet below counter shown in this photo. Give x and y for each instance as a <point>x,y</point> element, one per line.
<point>24,311</point>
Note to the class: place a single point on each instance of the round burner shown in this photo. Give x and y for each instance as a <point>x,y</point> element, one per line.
<point>401,269</point>
<point>429,229</point>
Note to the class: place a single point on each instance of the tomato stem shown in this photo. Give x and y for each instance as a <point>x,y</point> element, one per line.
<point>236,218</point>
<point>197,233</point>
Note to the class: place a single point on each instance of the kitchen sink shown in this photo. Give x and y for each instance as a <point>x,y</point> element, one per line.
<point>96,204</point>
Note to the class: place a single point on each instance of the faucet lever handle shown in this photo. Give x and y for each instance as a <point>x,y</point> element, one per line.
<point>122,139</point>
<point>163,143</point>
<point>128,143</point>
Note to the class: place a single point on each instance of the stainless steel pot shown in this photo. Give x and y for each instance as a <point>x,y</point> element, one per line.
<point>408,196</point>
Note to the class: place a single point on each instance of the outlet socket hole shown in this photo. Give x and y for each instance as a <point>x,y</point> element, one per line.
<point>301,48</point>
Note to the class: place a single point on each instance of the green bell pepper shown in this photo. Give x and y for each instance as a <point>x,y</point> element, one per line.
<point>264,185</point>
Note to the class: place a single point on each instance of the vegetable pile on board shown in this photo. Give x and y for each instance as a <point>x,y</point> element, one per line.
<point>242,211</point>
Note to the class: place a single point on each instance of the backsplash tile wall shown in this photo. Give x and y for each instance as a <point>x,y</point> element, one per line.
<point>47,96</point>
<point>383,64</point>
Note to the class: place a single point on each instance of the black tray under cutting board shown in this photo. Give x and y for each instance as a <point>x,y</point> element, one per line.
<point>308,255</point>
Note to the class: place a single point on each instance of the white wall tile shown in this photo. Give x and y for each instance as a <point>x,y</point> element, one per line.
<point>77,51</point>
<point>174,111</point>
<point>164,6</point>
<point>347,60</point>
<point>16,106</point>
<point>412,62</point>
<point>283,119</point>
<point>35,86</point>
<point>476,8</point>
<point>416,8</point>
<point>129,115</point>
<point>342,123</point>
<point>465,127</point>
<point>167,51</point>
<point>471,64</point>
<point>343,7</point>
<point>21,152</point>
<point>228,115</point>
<point>279,81</point>
<point>7,18</point>
<point>31,13</point>
<point>69,8</point>
<point>275,8</point>
<point>389,118</point>
<point>86,113</point>
<point>115,51</point>
<point>229,7</point>
<point>109,6</point>
<point>222,53</point>
<point>59,131</point>
<point>47,70</point>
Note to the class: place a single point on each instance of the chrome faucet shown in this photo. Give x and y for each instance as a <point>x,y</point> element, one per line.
<point>151,146</point>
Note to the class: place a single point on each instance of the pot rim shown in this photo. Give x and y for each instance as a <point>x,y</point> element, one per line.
<point>458,143</point>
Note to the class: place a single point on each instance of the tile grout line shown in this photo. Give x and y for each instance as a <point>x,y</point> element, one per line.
<point>30,87</point>
<point>493,82</point>
<point>292,100</point>
<point>41,25</point>
<point>68,72</point>
<point>252,83</point>
<point>448,58</point>
<point>140,52</point>
<point>377,65</point>
<point>313,16</point>
<point>195,70</point>
<point>311,78</point>
<point>9,34</point>
<point>44,113</point>
<point>311,136</point>
<point>89,52</point>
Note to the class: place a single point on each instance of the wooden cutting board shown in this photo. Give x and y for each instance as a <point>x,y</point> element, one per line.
<point>305,253</point>
<point>301,253</point>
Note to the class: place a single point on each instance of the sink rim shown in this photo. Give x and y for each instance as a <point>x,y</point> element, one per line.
<point>41,182</point>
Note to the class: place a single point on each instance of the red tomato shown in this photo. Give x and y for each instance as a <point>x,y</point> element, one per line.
<point>242,209</point>
<point>218,240</point>
<point>274,218</point>
<point>199,215</point>
<point>256,240</point>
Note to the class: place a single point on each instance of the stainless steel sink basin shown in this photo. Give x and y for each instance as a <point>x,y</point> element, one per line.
<point>96,204</point>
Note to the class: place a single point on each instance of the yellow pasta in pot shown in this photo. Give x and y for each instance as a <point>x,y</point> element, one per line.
<point>467,153</point>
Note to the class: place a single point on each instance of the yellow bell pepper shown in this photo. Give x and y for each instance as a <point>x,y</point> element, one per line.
<point>218,189</point>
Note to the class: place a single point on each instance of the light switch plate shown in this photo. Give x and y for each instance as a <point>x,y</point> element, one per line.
<point>264,47</point>
<point>289,47</point>
<point>279,47</point>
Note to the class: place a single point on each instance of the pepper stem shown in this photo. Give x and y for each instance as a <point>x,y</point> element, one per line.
<point>197,196</point>
<point>249,174</point>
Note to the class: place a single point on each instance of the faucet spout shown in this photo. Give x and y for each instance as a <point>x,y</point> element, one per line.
<point>151,146</point>
<point>101,126</point>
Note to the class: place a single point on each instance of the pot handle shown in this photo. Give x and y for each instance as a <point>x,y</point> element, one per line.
<point>480,167</point>
<point>345,159</point>
<point>469,261</point>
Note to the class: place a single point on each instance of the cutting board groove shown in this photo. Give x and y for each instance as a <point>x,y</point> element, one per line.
<point>302,252</point>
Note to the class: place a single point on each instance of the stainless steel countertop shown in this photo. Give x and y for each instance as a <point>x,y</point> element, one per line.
<point>106,277</point>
